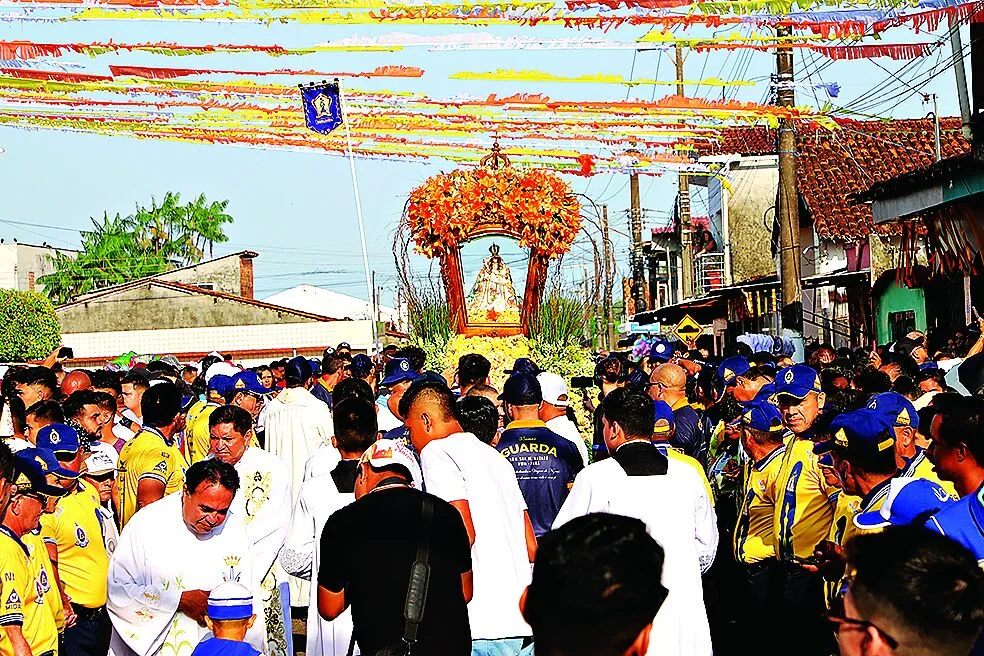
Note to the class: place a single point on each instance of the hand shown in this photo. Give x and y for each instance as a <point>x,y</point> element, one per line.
<point>875,360</point>
<point>70,617</point>
<point>194,604</point>
<point>831,560</point>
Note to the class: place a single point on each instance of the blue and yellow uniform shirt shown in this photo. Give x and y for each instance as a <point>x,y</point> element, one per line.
<point>22,597</point>
<point>803,511</point>
<point>754,538</point>
<point>38,555</point>
<point>148,456</point>
<point>74,528</point>
<point>963,520</point>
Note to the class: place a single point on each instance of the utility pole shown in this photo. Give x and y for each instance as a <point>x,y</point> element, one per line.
<point>609,275</point>
<point>787,201</point>
<point>638,263</point>
<point>683,191</point>
<point>957,53</point>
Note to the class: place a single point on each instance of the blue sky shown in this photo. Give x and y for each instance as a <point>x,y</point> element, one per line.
<point>296,208</point>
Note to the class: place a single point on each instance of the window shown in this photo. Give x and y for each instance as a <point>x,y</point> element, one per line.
<point>206,285</point>
<point>901,324</point>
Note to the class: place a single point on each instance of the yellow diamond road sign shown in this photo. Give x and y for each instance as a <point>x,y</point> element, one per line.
<point>688,330</point>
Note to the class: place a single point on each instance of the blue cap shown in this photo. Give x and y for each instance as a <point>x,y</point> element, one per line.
<point>731,368</point>
<point>361,365</point>
<point>247,381</point>
<point>637,378</point>
<point>398,370</point>
<point>766,393</point>
<point>863,431</point>
<point>433,377</point>
<point>522,389</point>
<point>797,381</point>
<point>660,349</point>
<point>58,438</point>
<point>524,366</point>
<point>896,409</point>
<point>907,500</point>
<point>220,383</point>
<point>664,418</point>
<point>762,416</point>
<point>297,370</point>
<point>230,601</point>
<point>32,466</point>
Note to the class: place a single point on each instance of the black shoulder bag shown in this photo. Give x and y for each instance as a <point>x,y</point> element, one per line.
<point>413,608</point>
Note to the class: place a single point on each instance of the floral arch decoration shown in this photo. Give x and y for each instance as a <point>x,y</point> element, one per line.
<point>533,206</point>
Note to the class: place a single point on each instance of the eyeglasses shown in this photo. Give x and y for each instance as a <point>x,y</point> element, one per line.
<point>841,622</point>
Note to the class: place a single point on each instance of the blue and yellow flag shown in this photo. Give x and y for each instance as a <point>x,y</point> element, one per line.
<point>322,106</point>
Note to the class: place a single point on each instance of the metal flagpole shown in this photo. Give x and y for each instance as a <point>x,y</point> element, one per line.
<point>358,211</point>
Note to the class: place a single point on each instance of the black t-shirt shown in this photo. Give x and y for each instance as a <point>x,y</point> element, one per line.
<point>343,475</point>
<point>367,549</point>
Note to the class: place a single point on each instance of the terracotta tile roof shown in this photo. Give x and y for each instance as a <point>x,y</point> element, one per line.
<point>834,165</point>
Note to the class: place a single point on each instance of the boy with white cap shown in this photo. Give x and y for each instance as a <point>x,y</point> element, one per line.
<point>229,617</point>
<point>553,411</point>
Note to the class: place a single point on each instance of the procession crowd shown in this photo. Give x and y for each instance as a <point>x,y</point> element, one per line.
<point>710,504</point>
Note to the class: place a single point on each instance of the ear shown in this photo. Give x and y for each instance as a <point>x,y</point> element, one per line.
<point>250,621</point>
<point>640,645</point>
<point>821,399</point>
<point>334,441</point>
<point>208,624</point>
<point>961,452</point>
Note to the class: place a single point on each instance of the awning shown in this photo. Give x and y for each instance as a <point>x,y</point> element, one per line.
<point>837,279</point>
<point>703,310</point>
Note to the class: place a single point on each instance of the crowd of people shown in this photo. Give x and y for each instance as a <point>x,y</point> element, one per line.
<point>711,504</point>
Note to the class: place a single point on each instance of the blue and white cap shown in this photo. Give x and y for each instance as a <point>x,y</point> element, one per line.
<point>230,601</point>
<point>908,500</point>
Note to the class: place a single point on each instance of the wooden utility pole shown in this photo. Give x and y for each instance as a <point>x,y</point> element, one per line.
<point>609,311</point>
<point>787,200</point>
<point>638,262</point>
<point>683,191</point>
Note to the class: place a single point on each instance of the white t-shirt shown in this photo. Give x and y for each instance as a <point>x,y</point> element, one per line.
<point>17,444</point>
<point>462,468</point>
<point>679,515</point>
<point>567,429</point>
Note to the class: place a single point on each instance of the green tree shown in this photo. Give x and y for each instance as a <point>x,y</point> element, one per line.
<point>150,241</point>
<point>29,328</point>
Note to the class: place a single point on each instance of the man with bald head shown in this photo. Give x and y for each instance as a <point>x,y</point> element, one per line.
<point>669,383</point>
<point>75,381</point>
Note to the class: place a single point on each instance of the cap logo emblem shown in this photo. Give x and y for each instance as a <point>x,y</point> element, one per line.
<point>660,348</point>
<point>404,366</point>
<point>239,384</point>
<point>789,377</point>
<point>903,418</point>
<point>885,444</point>
<point>873,405</point>
<point>55,437</point>
<point>748,417</point>
<point>728,374</point>
<point>382,453</point>
<point>840,437</point>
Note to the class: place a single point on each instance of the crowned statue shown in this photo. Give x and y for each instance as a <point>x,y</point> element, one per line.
<point>493,298</point>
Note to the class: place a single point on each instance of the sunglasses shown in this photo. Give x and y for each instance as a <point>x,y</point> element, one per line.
<point>841,622</point>
<point>102,478</point>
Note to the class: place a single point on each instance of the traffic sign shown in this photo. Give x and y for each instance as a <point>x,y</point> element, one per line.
<point>688,330</point>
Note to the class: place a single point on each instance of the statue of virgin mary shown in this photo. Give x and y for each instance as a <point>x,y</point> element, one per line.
<point>493,298</point>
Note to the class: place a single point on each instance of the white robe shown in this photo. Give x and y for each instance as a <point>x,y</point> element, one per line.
<point>157,558</point>
<point>301,557</point>
<point>297,423</point>
<point>263,501</point>
<point>679,516</point>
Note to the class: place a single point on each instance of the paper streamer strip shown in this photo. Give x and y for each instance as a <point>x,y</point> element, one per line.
<point>541,76</point>
<point>158,73</point>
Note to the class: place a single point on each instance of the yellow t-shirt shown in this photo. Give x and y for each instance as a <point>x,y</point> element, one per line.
<point>754,533</point>
<point>82,560</point>
<point>148,455</point>
<point>38,554</point>
<point>845,508</point>
<point>803,511</point>
<point>197,435</point>
<point>921,467</point>
<point>22,597</point>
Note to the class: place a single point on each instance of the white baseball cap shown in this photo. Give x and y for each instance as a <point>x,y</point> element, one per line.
<point>554,388</point>
<point>386,453</point>
<point>99,462</point>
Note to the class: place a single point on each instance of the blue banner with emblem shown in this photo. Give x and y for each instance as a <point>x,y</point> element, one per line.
<point>322,106</point>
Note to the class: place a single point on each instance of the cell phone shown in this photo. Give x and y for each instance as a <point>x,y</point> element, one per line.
<point>582,382</point>
<point>66,352</point>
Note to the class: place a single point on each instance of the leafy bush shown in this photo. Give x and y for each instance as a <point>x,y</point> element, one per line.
<point>29,328</point>
<point>561,321</point>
